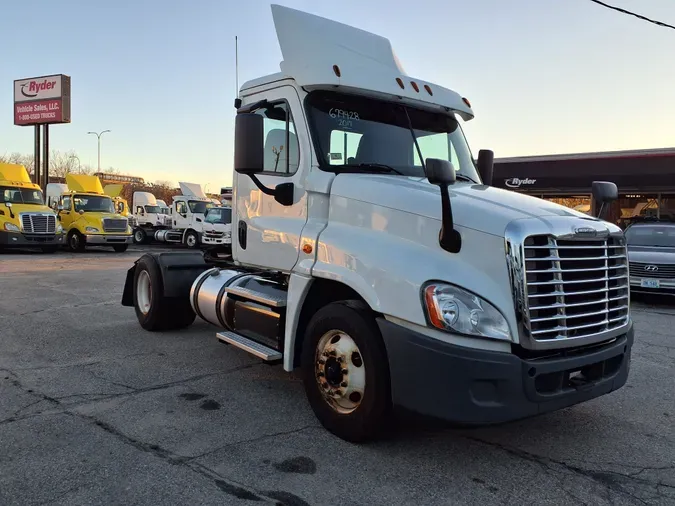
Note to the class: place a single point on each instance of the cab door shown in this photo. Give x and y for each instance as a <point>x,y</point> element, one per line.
<point>267,233</point>
<point>66,214</point>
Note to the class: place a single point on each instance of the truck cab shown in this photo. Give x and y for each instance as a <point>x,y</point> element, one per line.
<point>89,216</point>
<point>25,220</point>
<point>217,230</point>
<point>163,208</point>
<point>114,191</point>
<point>371,251</point>
<point>187,216</point>
<point>148,217</point>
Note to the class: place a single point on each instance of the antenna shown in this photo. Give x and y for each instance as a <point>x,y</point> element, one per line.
<point>236,63</point>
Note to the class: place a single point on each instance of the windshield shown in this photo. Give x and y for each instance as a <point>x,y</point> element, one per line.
<point>20,195</point>
<point>153,209</point>
<point>651,235</point>
<point>219,216</point>
<point>352,130</point>
<point>199,206</point>
<point>93,204</point>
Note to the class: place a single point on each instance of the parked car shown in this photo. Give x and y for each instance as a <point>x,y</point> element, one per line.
<point>651,256</point>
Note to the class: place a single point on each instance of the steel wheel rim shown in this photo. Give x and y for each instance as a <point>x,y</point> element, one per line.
<point>74,241</point>
<point>144,292</point>
<point>340,372</point>
<point>191,241</point>
<point>138,235</point>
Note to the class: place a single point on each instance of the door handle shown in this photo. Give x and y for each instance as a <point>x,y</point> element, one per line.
<point>241,233</point>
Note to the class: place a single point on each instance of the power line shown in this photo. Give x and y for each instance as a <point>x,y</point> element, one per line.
<point>639,16</point>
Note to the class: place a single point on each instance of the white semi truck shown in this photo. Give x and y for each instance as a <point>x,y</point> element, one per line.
<point>187,213</point>
<point>148,217</point>
<point>217,229</point>
<point>371,251</point>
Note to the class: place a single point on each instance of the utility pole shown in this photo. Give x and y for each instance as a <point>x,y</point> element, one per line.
<point>98,135</point>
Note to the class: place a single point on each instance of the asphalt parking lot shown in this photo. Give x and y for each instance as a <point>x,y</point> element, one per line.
<point>94,410</point>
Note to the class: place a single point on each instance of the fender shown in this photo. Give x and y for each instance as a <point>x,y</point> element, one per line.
<point>178,270</point>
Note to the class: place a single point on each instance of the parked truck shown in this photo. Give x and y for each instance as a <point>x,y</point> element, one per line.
<point>25,220</point>
<point>371,251</point>
<point>148,217</point>
<point>163,208</point>
<point>114,191</point>
<point>89,217</point>
<point>187,216</point>
<point>217,230</point>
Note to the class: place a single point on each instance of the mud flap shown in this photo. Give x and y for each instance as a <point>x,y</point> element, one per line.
<point>128,292</point>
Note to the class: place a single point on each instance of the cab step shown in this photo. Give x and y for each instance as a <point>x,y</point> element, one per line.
<point>259,350</point>
<point>268,299</point>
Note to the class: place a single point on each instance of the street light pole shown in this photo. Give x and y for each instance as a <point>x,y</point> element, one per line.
<point>98,135</point>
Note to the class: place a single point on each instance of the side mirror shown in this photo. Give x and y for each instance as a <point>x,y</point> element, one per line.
<point>249,156</point>
<point>604,193</point>
<point>248,143</point>
<point>442,174</point>
<point>486,160</point>
<point>8,205</point>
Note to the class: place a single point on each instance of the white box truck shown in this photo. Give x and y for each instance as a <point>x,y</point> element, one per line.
<point>371,251</point>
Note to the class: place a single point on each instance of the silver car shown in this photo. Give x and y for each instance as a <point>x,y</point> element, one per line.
<point>651,256</point>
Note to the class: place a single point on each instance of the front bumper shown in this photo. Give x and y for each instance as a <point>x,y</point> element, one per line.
<point>95,239</point>
<point>216,240</point>
<point>20,240</point>
<point>659,286</point>
<point>470,386</point>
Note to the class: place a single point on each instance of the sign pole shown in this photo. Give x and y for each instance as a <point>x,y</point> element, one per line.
<point>45,156</point>
<point>36,156</point>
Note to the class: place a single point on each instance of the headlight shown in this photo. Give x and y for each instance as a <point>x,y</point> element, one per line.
<point>453,309</point>
<point>91,230</point>
<point>59,228</point>
<point>228,235</point>
<point>11,227</point>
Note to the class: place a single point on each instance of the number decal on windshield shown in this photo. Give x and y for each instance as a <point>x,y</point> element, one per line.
<point>342,114</point>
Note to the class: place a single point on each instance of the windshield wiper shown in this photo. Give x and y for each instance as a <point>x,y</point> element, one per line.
<point>464,177</point>
<point>375,167</point>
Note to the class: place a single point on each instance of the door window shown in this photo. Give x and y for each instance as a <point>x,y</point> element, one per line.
<point>281,147</point>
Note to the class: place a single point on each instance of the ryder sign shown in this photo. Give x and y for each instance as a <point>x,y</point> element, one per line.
<point>42,100</point>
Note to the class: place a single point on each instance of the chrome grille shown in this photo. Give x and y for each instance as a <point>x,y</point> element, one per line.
<point>574,288</point>
<point>114,225</point>
<point>38,223</point>
<point>213,233</point>
<point>663,271</point>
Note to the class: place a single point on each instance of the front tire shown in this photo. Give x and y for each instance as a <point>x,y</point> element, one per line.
<point>346,371</point>
<point>140,236</point>
<point>76,242</point>
<point>154,311</point>
<point>191,239</point>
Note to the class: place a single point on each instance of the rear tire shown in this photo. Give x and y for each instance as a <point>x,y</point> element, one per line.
<point>361,396</point>
<point>120,248</point>
<point>154,311</point>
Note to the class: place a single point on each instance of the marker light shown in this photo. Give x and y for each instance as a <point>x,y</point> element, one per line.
<point>336,69</point>
<point>415,87</point>
<point>400,82</point>
<point>466,101</point>
<point>426,87</point>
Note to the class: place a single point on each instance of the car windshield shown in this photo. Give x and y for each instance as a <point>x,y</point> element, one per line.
<point>362,134</point>
<point>199,206</point>
<point>153,209</point>
<point>20,195</point>
<point>219,216</point>
<point>93,204</point>
<point>651,235</point>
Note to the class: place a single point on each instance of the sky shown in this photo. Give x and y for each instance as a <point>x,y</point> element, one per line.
<point>543,76</point>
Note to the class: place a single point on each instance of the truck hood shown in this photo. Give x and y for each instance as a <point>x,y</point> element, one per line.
<point>651,255</point>
<point>479,207</point>
<point>25,208</point>
<point>95,219</point>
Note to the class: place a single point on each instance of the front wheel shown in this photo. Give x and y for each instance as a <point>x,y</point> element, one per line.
<point>76,242</point>
<point>140,236</point>
<point>120,248</point>
<point>346,371</point>
<point>191,239</point>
